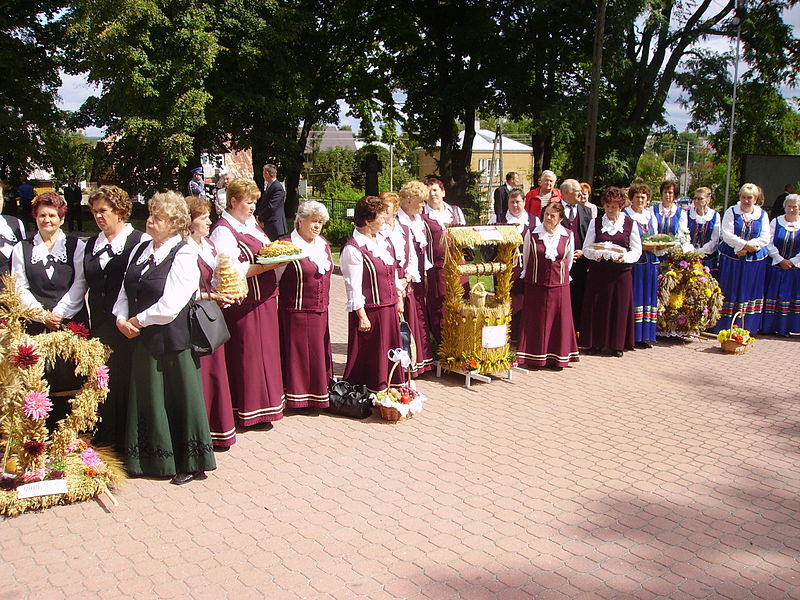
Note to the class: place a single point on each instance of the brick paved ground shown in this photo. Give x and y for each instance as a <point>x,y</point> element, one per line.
<point>671,473</point>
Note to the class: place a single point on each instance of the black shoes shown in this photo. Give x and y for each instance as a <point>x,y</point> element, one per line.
<point>644,345</point>
<point>618,353</point>
<point>181,478</point>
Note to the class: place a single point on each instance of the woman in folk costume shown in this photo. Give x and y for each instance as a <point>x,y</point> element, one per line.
<point>12,231</point>
<point>253,352</point>
<point>743,261</point>
<point>782,298</point>
<point>670,217</point>
<point>167,427</point>
<point>704,227</point>
<point>213,367</point>
<point>607,319</point>
<point>438,215</point>
<point>369,269</point>
<point>104,263</point>
<point>412,202</point>
<point>547,333</point>
<point>303,312</point>
<point>645,270</point>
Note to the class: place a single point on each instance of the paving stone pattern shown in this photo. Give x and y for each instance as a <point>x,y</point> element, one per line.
<point>672,472</point>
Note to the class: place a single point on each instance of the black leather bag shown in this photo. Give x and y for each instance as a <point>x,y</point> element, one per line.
<point>348,400</point>
<point>207,327</point>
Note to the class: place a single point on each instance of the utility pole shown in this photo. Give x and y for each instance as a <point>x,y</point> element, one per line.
<point>686,172</point>
<point>741,13</point>
<point>594,95</point>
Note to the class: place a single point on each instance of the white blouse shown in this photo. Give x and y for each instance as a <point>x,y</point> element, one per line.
<point>612,227</point>
<point>351,261</point>
<point>8,233</point>
<point>551,241</point>
<point>417,227</point>
<point>316,251</point>
<point>400,245</point>
<point>117,244</point>
<point>774,253</point>
<point>180,287</point>
<point>71,302</point>
<point>683,225</point>
<point>713,241</point>
<point>225,242</point>
<point>737,243</point>
<point>448,215</point>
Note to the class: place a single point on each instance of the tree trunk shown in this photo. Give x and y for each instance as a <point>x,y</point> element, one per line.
<point>538,143</point>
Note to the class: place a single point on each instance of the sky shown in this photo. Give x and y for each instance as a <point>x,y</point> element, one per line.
<point>75,89</point>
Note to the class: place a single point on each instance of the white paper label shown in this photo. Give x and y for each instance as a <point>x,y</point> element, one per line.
<point>493,336</point>
<point>350,212</point>
<point>489,233</point>
<point>42,488</point>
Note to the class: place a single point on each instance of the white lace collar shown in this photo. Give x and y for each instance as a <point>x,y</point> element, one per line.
<point>794,226</point>
<point>161,253</point>
<point>249,227</point>
<point>445,216</point>
<point>615,227</point>
<point>205,249</point>
<point>417,227</point>
<point>7,232</point>
<point>698,218</point>
<point>378,247</point>
<point>550,240</point>
<point>667,213</point>
<point>40,251</point>
<point>317,251</point>
<point>117,244</point>
<point>521,221</point>
<point>642,218</point>
<point>753,216</point>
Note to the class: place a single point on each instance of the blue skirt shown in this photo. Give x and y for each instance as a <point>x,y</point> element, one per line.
<point>645,301</point>
<point>782,301</point>
<point>742,284</point>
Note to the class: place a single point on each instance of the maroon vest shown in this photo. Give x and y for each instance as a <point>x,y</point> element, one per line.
<point>575,228</point>
<point>377,280</point>
<point>404,252</point>
<point>206,270</point>
<point>543,271</point>
<point>622,238</point>
<point>303,288</point>
<point>435,250</point>
<point>261,287</point>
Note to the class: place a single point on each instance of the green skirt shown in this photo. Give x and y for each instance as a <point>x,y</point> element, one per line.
<point>167,428</point>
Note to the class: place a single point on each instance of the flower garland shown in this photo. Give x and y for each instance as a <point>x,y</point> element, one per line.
<point>32,453</point>
<point>689,298</point>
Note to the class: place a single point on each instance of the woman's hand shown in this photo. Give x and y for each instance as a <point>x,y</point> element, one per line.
<point>400,306</point>
<point>785,264</point>
<point>53,321</point>
<point>363,320</point>
<point>127,329</point>
<point>222,299</point>
<point>742,252</point>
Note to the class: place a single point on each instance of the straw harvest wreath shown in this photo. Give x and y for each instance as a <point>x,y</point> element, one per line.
<point>32,455</point>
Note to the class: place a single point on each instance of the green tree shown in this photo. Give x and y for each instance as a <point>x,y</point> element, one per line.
<point>70,155</point>
<point>400,173</point>
<point>339,164</point>
<point>30,32</point>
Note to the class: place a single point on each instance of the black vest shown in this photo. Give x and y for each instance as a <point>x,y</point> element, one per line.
<point>145,290</point>
<point>104,284</point>
<point>48,291</point>
<point>5,263</point>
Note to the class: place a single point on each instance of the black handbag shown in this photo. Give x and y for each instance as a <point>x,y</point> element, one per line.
<point>347,400</point>
<point>207,327</point>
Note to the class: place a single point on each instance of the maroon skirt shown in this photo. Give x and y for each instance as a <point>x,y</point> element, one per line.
<point>434,300</point>
<point>547,334</point>
<point>306,358</point>
<point>217,392</point>
<point>414,307</point>
<point>254,363</point>
<point>607,310</point>
<point>367,359</point>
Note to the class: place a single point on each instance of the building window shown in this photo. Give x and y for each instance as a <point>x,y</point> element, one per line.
<point>484,165</point>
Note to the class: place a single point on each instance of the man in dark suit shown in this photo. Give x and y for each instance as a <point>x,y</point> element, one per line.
<point>501,196</point>
<point>576,219</point>
<point>73,196</point>
<point>269,210</point>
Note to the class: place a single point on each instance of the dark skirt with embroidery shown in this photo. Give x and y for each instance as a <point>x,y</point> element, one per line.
<point>306,358</point>
<point>254,362</point>
<point>547,334</point>
<point>167,427</point>
<point>217,392</point>
<point>367,351</point>
<point>113,412</point>
<point>417,319</point>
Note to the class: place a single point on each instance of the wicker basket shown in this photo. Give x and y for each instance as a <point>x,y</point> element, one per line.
<point>731,347</point>
<point>391,414</point>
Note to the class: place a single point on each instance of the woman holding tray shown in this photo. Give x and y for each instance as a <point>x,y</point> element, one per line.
<point>253,352</point>
<point>645,270</point>
<point>743,260</point>
<point>303,311</point>
<point>612,246</point>
<point>547,333</point>
<point>370,280</point>
<point>782,300</point>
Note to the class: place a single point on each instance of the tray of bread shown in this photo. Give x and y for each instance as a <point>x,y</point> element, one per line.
<point>658,241</point>
<point>279,251</point>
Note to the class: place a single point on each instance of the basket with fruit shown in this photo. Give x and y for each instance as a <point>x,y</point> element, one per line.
<point>735,340</point>
<point>402,402</point>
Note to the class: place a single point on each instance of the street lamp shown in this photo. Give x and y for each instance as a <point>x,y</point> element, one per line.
<point>739,14</point>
